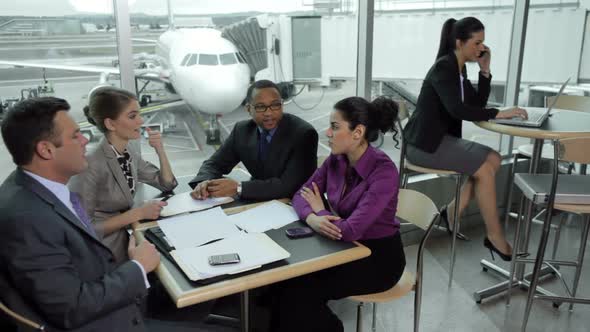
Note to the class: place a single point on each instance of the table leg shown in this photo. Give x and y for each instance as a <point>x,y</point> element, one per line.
<point>492,290</point>
<point>524,240</point>
<point>536,156</point>
<point>502,286</point>
<point>245,307</point>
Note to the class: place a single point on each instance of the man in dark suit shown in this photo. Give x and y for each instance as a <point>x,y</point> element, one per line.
<point>53,266</point>
<point>279,150</point>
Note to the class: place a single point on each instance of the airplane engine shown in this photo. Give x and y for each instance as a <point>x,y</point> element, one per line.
<point>170,88</point>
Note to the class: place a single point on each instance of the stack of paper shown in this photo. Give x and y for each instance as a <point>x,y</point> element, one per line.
<point>183,203</point>
<point>254,249</point>
<point>195,229</point>
<point>271,215</point>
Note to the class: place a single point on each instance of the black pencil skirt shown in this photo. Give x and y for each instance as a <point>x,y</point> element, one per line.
<point>300,304</point>
<point>454,154</point>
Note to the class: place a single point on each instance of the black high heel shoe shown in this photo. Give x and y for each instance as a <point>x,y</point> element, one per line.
<point>488,244</point>
<point>445,219</point>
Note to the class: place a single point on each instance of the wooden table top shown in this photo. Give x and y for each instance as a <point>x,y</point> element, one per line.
<point>307,255</point>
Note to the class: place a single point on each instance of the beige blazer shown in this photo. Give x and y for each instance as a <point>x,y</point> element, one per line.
<point>105,192</point>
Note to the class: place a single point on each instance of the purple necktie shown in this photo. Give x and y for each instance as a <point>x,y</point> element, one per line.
<point>77,205</point>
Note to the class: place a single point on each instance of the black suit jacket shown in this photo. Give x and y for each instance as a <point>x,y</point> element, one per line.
<point>440,111</point>
<point>291,160</point>
<point>54,270</point>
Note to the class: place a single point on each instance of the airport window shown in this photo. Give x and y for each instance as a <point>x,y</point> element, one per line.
<point>555,49</point>
<point>402,60</point>
<point>208,59</point>
<point>228,59</point>
<point>185,60</point>
<point>62,33</point>
<point>315,72</point>
<point>193,60</point>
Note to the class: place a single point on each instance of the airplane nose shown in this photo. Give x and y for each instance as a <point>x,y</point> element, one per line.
<point>221,93</point>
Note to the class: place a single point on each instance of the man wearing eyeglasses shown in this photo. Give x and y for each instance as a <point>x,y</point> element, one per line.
<point>279,150</point>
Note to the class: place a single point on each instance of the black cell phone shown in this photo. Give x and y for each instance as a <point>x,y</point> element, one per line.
<point>482,54</point>
<point>224,259</point>
<point>299,232</point>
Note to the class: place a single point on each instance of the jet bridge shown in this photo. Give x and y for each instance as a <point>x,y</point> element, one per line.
<point>250,38</point>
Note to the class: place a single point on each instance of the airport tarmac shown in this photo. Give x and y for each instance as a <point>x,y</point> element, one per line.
<point>70,47</point>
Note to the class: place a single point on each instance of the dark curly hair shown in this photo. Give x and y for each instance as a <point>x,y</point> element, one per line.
<point>380,115</point>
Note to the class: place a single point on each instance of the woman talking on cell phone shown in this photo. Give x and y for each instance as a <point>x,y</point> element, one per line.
<point>433,132</point>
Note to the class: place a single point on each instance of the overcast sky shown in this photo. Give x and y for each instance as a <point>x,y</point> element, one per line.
<point>153,7</point>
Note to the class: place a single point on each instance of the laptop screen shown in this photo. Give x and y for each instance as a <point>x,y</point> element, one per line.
<point>558,94</point>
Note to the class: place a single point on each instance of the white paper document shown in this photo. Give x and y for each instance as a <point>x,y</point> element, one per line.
<point>182,203</point>
<point>195,229</point>
<point>254,249</point>
<point>271,215</point>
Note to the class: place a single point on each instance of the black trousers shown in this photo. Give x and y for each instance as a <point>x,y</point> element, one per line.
<point>300,304</point>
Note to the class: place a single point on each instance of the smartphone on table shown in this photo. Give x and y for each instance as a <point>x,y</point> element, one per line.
<point>224,259</point>
<point>299,232</point>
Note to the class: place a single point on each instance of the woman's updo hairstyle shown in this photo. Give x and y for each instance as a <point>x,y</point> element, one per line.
<point>377,116</point>
<point>106,102</point>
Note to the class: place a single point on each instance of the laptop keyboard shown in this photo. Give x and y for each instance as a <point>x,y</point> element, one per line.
<point>535,116</point>
<point>532,116</point>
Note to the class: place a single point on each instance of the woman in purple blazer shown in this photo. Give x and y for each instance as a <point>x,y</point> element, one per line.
<point>361,183</point>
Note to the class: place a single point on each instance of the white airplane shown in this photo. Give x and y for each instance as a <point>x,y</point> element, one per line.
<point>206,70</point>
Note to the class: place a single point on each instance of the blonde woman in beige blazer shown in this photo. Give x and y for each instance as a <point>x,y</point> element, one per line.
<point>107,187</point>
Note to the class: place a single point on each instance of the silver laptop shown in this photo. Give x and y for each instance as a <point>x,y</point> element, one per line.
<point>536,117</point>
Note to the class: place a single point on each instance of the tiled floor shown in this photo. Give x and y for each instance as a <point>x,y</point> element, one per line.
<point>454,309</point>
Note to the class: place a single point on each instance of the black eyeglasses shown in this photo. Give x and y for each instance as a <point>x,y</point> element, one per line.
<point>275,106</point>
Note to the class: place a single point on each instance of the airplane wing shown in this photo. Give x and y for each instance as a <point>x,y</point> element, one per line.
<point>147,74</point>
<point>143,40</point>
<point>87,69</point>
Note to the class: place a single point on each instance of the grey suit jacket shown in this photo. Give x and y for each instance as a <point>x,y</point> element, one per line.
<point>105,192</point>
<point>291,160</point>
<point>53,270</point>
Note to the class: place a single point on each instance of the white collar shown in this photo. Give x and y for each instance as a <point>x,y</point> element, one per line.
<point>60,190</point>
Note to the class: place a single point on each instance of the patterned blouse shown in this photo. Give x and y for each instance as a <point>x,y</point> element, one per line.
<point>125,163</point>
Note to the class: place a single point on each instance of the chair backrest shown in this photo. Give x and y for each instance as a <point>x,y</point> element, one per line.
<point>569,102</point>
<point>416,208</point>
<point>402,115</point>
<point>14,306</point>
<point>574,150</point>
<point>20,320</point>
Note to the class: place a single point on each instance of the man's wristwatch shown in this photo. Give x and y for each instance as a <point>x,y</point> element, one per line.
<point>239,190</point>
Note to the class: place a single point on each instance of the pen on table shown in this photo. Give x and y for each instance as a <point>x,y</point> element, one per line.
<point>167,197</point>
